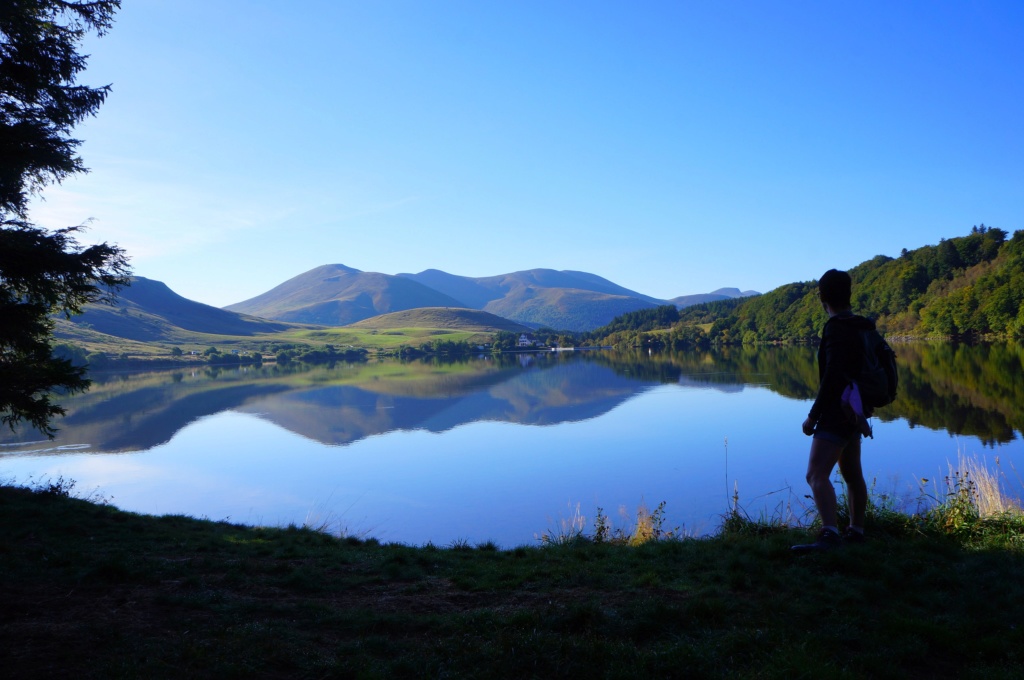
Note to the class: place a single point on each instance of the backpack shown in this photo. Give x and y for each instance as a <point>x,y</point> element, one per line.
<point>878,378</point>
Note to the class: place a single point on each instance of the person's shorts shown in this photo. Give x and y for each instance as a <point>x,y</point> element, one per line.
<point>837,435</point>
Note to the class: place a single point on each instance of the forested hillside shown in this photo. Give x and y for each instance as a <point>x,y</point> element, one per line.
<point>967,286</point>
<point>657,328</point>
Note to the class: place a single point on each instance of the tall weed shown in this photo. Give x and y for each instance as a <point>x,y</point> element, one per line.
<point>972,498</point>
<point>648,525</point>
<point>566,530</point>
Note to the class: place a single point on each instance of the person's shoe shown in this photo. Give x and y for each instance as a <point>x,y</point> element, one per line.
<point>827,540</point>
<point>852,536</point>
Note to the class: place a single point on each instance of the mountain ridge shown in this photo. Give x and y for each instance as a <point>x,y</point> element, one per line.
<point>148,311</point>
<point>336,295</point>
<point>339,295</point>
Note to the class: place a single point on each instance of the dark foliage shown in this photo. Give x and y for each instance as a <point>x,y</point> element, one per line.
<point>655,328</point>
<point>40,102</point>
<point>641,320</point>
<point>328,354</point>
<point>44,272</point>
<point>40,273</point>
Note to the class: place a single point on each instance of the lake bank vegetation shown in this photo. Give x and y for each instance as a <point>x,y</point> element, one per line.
<point>314,347</point>
<point>97,592</point>
<point>966,287</point>
<point>970,287</point>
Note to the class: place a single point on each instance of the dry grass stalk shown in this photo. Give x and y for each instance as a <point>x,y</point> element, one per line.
<point>988,493</point>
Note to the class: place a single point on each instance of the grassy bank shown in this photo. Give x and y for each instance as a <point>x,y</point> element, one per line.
<point>90,591</point>
<point>366,335</point>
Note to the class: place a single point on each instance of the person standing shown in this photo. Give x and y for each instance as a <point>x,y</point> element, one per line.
<point>836,437</point>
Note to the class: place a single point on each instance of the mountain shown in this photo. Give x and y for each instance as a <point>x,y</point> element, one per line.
<point>713,296</point>
<point>566,300</point>
<point>336,295</point>
<point>472,292</point>
<point>478,292</point>
<point>563,308</point>
<point>149,311</point>
<point>734,292</point>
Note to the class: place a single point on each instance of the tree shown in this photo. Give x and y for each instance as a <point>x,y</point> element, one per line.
<point>43,273</point>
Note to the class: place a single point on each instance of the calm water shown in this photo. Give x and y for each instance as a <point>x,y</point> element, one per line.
<point>505,449</point>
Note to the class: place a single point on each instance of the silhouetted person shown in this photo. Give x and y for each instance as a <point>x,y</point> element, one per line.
<point>836,435</point>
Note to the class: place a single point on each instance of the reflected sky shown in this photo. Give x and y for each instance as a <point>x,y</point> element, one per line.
<point>497,454</point>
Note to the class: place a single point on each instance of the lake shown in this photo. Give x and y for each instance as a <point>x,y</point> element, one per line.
<point>508,447</point>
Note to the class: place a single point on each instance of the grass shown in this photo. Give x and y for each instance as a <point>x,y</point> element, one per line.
<point>91,591</point>
<point>390,338</point>
<point>364,336</point>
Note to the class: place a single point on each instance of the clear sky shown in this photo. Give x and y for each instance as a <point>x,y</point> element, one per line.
<point>671,147</point>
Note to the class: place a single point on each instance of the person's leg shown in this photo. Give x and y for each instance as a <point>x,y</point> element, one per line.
<point>824,456</point>
<point>856,487</point>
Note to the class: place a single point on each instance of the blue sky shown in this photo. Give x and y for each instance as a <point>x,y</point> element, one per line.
<point>671,147</point>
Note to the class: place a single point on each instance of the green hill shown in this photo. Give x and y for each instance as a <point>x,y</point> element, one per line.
<point>968,286</point>
<point>473,320</point>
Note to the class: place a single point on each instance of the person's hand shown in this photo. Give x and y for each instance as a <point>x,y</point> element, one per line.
<point>808,426</point>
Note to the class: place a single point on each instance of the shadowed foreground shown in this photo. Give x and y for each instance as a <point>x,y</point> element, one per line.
<point>90,591</point>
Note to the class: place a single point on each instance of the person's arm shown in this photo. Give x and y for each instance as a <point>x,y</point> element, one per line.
<point>838,355</point>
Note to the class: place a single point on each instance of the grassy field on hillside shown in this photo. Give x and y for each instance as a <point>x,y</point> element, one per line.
<point>372,339</point>
<point>90,591</point>
<point>390,338</point>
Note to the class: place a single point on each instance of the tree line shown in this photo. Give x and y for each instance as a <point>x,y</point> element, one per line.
<point>969,286</point>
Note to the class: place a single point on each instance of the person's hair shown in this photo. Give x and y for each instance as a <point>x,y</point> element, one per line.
<point>834,288</point>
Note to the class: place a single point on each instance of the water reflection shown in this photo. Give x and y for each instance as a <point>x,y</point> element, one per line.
<point>969,390</point>
<point>975,390</point>
<point>497,448</point>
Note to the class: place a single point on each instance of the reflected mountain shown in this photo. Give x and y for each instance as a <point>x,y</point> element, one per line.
<point>550,393</point>
<point>337,405</point>
<point>971,390</point>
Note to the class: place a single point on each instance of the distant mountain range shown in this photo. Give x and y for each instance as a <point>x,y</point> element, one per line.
<point>968,285</point>
<point>336,295</point>
<point>713,296</point>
